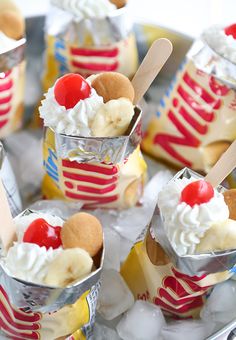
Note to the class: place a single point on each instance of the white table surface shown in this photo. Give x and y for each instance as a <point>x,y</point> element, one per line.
<point>186,16</point>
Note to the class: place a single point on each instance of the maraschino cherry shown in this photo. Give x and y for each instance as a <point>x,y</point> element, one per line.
<point>231,30</point>
<point>197,192</point>
<point>70,89</point>
<point>43,234</point>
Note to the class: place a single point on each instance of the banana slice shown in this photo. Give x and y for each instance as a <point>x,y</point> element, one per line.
<point>69,266</point>
<point>221,236</point>
<point>113,118</point>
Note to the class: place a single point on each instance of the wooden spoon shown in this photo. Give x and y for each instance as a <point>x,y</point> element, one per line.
<point>151,65</point>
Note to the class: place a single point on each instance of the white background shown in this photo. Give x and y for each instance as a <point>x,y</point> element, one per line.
<point>186,16</point>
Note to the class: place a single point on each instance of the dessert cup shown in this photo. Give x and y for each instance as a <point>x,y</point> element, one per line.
<point>89,45</point>
<point>154,271</point>
<point>34,311</point>
<point>100,172</point>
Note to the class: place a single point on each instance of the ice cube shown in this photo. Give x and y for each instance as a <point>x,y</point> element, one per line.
<point>155,185</point>
<point>27,164</point>
<point>143,321</point>
<point>187,329</point>
<point>113,250</point>
<point>125,247</point>
<point>108,323</point>
<point>59,208</point>
<point>101,332</point>
<point>153,165</point>
<point>220,306</point>
<point>131,222</point>
<point>115,297</point>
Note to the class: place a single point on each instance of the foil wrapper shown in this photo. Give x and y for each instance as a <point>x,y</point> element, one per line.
<point>13,57</point>
<point>99,172</point>
<point>201,264</point>
<point>12,76</point>
<point>95,149</point>
<point>41,298</point>
<point>212,63</point>
<point>102,31</point>
<point>227,332</point>
<point>9,183</point>
<point>88,46</point>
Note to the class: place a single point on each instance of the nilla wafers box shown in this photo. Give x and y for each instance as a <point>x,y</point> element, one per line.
<point>195,121</point>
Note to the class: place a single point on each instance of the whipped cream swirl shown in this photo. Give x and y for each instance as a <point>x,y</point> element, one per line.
<point>85,9</point>
<point>28,261</point>
<point>75,121</point>
<point>221,43</point>
<point>186,225</point>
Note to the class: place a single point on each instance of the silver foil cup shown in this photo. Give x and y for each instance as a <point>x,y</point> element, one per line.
<point>227,332</point>
<point>113,28</point>
<point>13,57</point>
<point>212,63</point>
<point>9,183</point>
<point>201,264</point>
<point>45,299</point>
<point>95,149</point>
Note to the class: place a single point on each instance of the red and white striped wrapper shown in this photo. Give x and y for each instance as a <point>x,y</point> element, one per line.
<point>89,46</point>
<point>106,172</point>
<point>12,77</point>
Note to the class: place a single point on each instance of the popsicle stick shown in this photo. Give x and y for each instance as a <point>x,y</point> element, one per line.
<point>223,167</point>
<point>7,228</point>
<point>151,65</point>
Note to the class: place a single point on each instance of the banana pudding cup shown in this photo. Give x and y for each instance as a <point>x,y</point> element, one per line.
<point>89,37</point>
<point>49,277</point>
<point>91,141</point>
<point>189,247</point>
